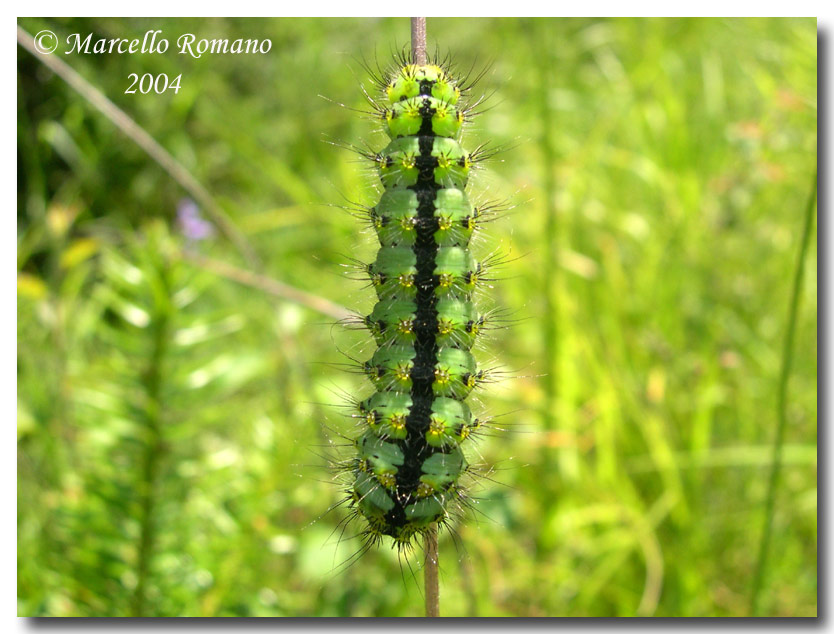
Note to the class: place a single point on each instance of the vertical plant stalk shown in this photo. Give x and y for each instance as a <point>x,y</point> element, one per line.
<point>418,56</point>
<point>430,568</point>
<point>418,40</point>
<point>781,424</point>
<point>551,278</point>
<point>152,384</point>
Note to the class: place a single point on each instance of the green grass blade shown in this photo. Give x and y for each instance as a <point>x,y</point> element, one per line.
<point>781,424</point>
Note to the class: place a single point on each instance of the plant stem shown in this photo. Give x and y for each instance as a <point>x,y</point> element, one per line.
<point>430,572</point>
<point>418,40</point>
<point>566,457</point>
<point>269,285</point>
<point>781,424</point>
<point>152,382</point>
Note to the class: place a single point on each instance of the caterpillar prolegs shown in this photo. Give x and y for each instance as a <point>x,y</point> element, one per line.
<point>407,469</point>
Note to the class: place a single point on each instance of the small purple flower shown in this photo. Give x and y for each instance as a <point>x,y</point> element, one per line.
<point>193,226</point>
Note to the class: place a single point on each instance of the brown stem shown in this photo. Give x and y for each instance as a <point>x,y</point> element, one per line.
<point>430,573</point>
<point>418,40</point>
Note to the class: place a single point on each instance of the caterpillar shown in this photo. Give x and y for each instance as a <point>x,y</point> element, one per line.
<point>405,475</point>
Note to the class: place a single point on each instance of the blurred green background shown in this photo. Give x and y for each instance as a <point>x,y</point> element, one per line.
<point>176,411</point>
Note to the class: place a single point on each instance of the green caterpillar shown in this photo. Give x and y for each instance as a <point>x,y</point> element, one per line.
<point>407,469</point>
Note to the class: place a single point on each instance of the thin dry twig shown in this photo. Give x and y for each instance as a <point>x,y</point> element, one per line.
<point>269,285</point>
<point>188,182</point>
<point>134,131</point>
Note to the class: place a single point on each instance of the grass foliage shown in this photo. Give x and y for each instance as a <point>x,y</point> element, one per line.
<point>173,423</point>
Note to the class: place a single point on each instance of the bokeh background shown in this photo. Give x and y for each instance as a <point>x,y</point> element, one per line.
<point>178,400</point>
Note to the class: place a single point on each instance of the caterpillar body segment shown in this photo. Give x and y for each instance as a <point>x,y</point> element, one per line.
<point>457,323</point>
<point>433,160</point>
<point>405,118</point>
<point>395,218</point>
<point>455,374</point>
<point>393,274</point>
<point>409,457</point>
